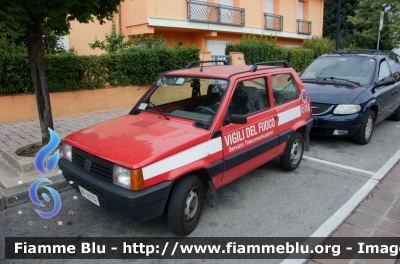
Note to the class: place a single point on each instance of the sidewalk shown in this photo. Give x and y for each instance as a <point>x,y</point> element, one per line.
<point>378,215</point>
<point>22,133</point>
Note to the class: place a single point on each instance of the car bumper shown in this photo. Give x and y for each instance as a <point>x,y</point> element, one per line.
<point>327,124</point>
<point>128,204</point>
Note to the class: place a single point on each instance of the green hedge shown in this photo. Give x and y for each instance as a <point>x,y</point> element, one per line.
<point>68,72</point>
<point>264,49</point>
<point>319,45</point>
<point>299,58</point>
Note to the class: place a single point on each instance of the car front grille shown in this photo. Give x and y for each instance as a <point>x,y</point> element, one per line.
<point>99,167</point>
<point>319,109</point>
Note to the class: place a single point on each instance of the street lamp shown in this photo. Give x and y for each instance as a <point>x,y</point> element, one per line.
<point>339,10</point>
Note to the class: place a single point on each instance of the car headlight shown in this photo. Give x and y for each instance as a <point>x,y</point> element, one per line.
<point>67,151</point>
<point>346,109</point>
<point>127,178</point>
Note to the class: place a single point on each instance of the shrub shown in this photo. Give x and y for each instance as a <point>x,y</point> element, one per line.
<point>298,59</point>
<point>68,71</point>
<point>63,72</point>
<point>319,45</point>
<point>15,74</point>
<point>257,49</point>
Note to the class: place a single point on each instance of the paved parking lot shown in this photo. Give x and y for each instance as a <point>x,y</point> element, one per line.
<point>266,202</point>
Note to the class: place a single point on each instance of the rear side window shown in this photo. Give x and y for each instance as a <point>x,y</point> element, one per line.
<point>284,88</point>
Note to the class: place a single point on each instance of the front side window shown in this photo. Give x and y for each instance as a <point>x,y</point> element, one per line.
<point>341,69</point>
<point>284,88</point>
<point>383,70</point>
<point>197,99</point>
<point>250,96</point>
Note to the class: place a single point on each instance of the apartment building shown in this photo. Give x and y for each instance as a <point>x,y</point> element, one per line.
<point>208,24</point>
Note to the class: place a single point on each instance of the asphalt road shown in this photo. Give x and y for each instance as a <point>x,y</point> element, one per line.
<point>267,202</point>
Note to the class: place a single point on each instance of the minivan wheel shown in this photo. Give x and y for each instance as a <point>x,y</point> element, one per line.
<point>364,134</point>
<point>292,159</point>
<point>396,115</point>
<point>185,205</point>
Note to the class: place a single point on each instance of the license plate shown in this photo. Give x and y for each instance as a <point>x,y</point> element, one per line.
<point>90,196</point>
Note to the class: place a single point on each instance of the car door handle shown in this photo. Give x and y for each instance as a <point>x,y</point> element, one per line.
<point>395,92</point>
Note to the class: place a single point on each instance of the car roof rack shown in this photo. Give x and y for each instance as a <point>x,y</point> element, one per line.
<point>201,62</point>
<point>361,51</point>
<point>255,66</point>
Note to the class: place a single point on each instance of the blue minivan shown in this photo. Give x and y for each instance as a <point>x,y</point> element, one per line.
<point>351,91</point>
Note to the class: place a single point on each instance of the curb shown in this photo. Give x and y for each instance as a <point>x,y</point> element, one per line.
<point>20,164</point>
<point>17,195</point>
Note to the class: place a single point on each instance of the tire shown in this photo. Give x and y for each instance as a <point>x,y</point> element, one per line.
<point>292,159</point>
<point>188,192</point>
<point>364,134</point>
<point>396,115</point>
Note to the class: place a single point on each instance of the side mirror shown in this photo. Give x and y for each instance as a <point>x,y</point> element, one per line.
<point>386,81</point>
<point>236,119</point>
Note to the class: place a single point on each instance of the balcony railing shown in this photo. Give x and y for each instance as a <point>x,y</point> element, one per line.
<point>215,14</point>
<point>221,57</point>
<point>273,22</point>
<point>303,27</point>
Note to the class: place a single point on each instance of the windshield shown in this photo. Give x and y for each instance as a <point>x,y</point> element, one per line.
<point>354,69</point>
<point>187,97</point>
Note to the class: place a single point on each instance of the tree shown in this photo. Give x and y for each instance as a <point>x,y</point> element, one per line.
<point>34,17</point>
<point>114,42</point>
<point>346,27</point>
<point>366,22</point>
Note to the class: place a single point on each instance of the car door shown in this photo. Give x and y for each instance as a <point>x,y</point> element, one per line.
<point>384,93</point>
<point>394,65</point>
<point>287,102</point>
<point>247,146</point>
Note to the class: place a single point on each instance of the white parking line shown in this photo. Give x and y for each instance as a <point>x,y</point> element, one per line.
<point>339,165</point>
<point>334,222</point>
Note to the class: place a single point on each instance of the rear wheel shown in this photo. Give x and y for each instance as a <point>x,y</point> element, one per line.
<point>185,205</point>
<point>292,159</point>
<point>364,134</point>
<point>396,115</point>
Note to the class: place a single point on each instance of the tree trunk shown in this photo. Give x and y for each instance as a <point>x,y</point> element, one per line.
<point>34,36</point>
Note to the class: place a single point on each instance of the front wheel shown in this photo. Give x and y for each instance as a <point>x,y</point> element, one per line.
<point>185,205</point>
<point>292,159</point>
<point>364,134</point>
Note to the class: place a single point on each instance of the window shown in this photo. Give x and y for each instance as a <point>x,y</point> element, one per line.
<point>383,70</point>
<point>394,67</point>
<point>250,96</point>
<point>269,6</point>
<point>284,88</point>
<point>191,98</point>
<point>300,8</point>
<point>355,69</point>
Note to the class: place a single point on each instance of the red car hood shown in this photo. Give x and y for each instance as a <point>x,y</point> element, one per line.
<point>135,141</point>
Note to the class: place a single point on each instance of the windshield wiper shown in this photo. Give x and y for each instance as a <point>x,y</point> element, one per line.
<point>159,109</point>
<point>338,79</point>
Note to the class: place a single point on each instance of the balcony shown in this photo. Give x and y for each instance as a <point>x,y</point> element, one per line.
<point>303,27</point>
<point>273,22</point>
<point>215,14</point>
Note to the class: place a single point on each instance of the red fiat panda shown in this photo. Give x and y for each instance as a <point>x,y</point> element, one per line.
<point>195,130</point>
